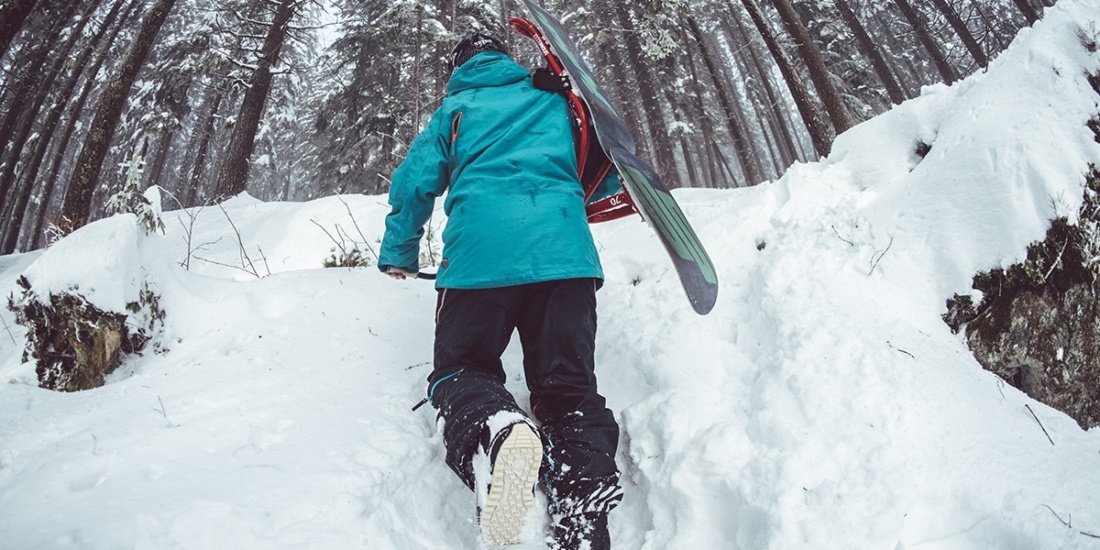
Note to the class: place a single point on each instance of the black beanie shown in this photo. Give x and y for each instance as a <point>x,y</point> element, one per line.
<point>473,45</point>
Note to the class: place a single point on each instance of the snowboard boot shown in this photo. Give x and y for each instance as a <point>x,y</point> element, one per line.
<point>515,454</point>
<point>580,507</point>
<point>587,531</point>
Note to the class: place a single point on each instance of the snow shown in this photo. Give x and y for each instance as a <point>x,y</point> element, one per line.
<point>822,404</point>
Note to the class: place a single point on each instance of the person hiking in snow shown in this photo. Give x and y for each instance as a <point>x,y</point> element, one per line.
<point>518,255</point>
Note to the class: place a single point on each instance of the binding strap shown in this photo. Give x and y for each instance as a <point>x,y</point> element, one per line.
<point>545,79</point>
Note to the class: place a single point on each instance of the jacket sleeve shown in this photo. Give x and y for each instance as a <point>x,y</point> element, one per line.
<point>421,177</point>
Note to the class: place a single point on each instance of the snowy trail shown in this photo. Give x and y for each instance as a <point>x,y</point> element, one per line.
<point>822,404</point>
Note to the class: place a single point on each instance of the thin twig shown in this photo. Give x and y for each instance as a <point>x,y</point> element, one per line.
<point>878,256</point>
<point>356,224</point>
<point>1069,524</point>
<point>246,261</point>
<point>1057,261</point>
<point>837,233</point>
<point>1040,424</point>
<point>411,367</point>
<point>1064,522</point>
<point>188,228</point>
<point>7,328</point>
<point>189,232</point>
<point>231,266</point>
<point>891,344</point>
<point>267,267</point>
<point>339,244</point>
<point>343,233</point>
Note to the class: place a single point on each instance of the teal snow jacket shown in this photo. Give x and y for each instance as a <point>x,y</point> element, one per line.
<point>502,151</point>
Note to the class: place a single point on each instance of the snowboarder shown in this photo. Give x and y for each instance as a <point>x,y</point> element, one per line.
<point>518,255</point>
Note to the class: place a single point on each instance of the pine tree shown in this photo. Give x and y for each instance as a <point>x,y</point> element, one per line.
<point>871,51</point>
<point>820,133</point>
<point>27,153</point>
<point>931,46</point>
<point>815,65</point>
<point>78,197</point>
<point>964,33</point>
<point>101,47</point>
<point>233,176</point>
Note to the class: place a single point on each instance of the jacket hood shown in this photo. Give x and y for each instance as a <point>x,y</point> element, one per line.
<point>484,70</point>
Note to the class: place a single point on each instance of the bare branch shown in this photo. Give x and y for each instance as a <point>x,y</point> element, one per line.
<point>837,233</point>
<point>246,262</point>
<point>356,224</point>
<point>1064,522</point>
<point>1040,425</point>
<point>878,256</point>
<point>7,328</point>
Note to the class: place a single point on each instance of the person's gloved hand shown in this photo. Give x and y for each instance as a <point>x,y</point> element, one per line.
<point>400,274</point>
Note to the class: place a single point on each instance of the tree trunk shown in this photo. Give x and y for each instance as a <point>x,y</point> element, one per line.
<point>30,162</point>
<point>630,116</point>
<point>711,172</point>
<point>154,171</point>
<point>928,41</point>
<point>990,32</point>
<point>655,119</point>
<point>203,149</point>
<point>12,15</point>
<point>742,144</point>
<point>770,109</point>
<point>754,110</point>
<point>689,164</point>
<point>820,134</point>
<point>909,75</point>
<point>778,114</point>
<point>1029,12</point>
<point>869,49</point>
<point>72,121</point>
<point>27,77</point>
<point>815,64</point>
<point>964,33</point>
<point>233,176</point>
<point>78,197</point>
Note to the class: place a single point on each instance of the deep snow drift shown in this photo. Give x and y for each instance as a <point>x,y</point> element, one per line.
<point>823,404</point>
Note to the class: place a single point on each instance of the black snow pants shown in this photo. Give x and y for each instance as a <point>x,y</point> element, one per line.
<point>556,321</point>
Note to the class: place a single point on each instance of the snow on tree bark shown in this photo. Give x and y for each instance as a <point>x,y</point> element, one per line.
<point>77,203</point>
<point>916,21</point>
<point>964,33</point>
<point>871,51</point>
<point>29,161</point>
<point>233,176</point>
<point>12,15</point>
<point>820,134</point>
<point>815,65</point>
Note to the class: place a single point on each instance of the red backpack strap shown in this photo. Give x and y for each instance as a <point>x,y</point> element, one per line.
<point>592,163</point>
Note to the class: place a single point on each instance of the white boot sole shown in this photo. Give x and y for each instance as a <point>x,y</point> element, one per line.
<point>511,492</point>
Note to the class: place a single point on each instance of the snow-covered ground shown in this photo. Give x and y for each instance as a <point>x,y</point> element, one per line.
<point>822,404</point>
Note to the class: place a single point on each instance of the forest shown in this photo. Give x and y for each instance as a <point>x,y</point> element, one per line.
<point>297,99</point>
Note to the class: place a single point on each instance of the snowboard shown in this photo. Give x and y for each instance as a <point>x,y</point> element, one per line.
<point>649,195</point>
